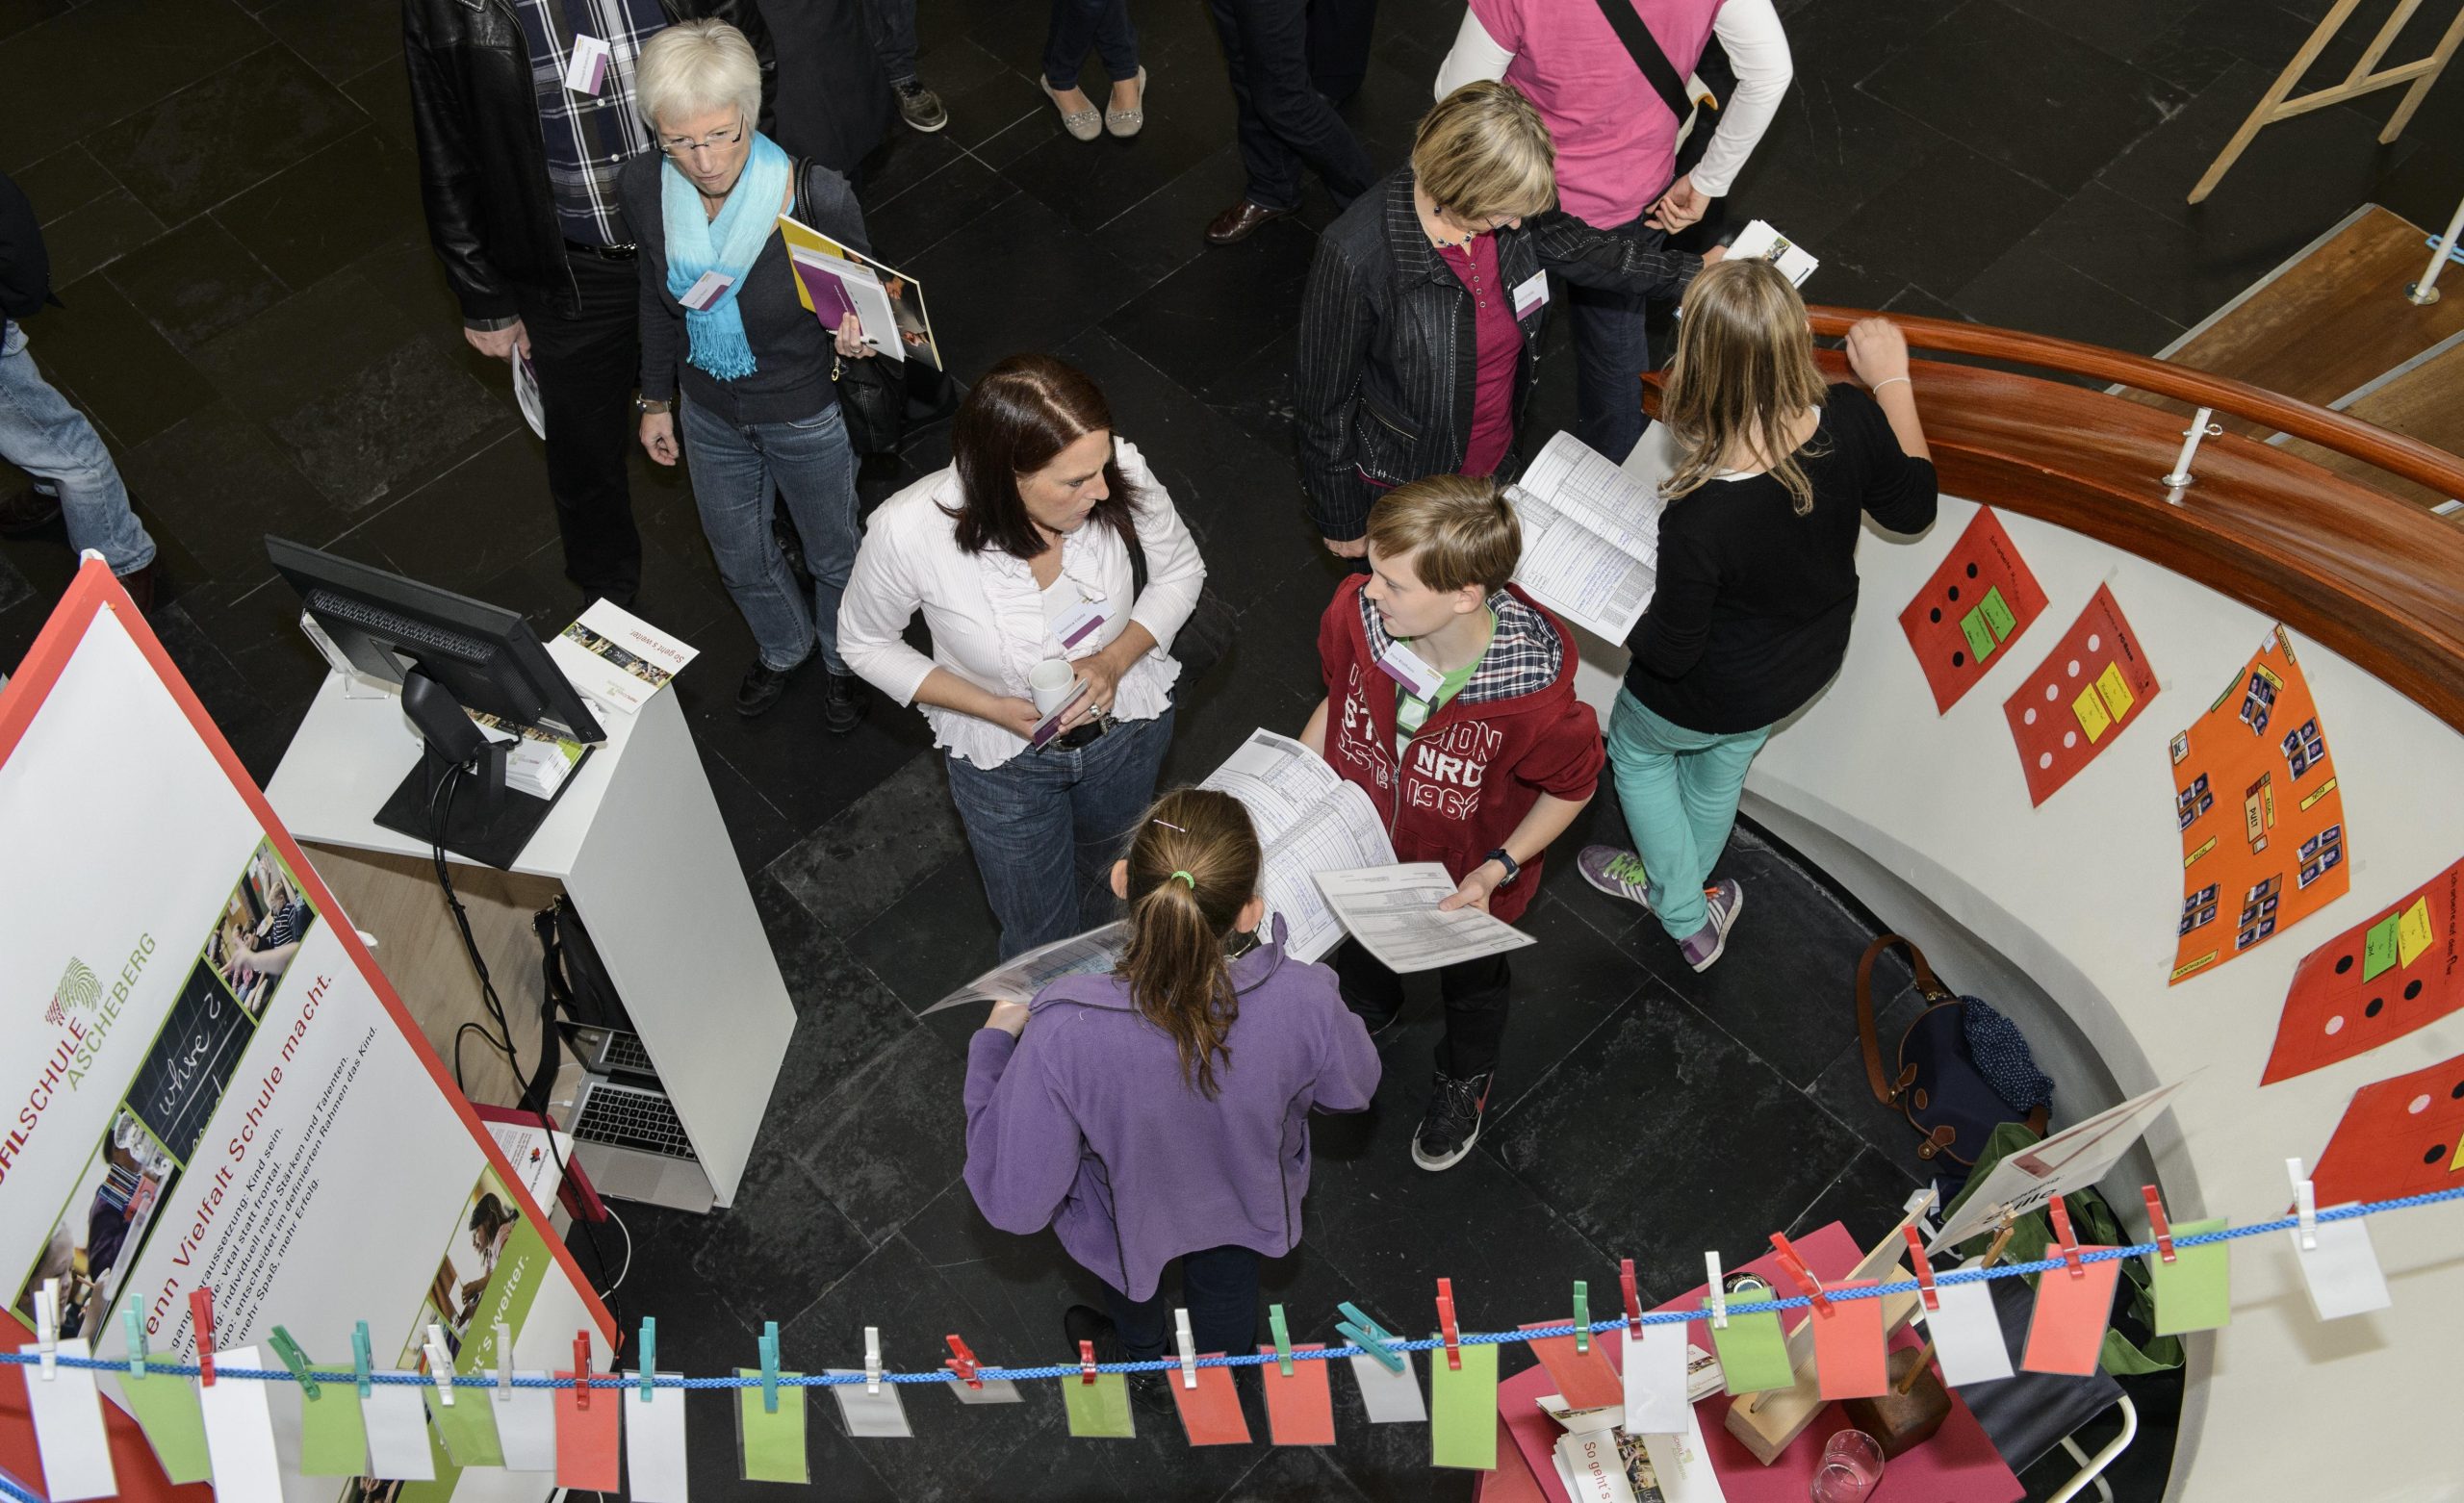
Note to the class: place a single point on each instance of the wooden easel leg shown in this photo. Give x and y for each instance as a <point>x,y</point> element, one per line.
<point>2264,115</point>
<point>2439,59</point>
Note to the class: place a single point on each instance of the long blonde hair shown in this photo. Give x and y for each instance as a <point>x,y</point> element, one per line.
<point>1193,867</point>
<point>1743,374</point>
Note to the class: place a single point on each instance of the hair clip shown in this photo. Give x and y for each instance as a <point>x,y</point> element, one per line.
<point>1168,825</point>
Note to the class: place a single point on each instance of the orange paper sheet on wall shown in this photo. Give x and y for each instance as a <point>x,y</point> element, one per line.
<point>2263,824</point>
<point>1978,602</point>
<point>2402,1137</point>
<point>2078,702</point>
<point>2377,980</point>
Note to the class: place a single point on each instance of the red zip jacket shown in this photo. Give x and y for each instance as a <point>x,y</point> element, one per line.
<point>1470,776</point>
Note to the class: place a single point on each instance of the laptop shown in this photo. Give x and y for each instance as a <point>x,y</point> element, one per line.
<point>630,1140</point>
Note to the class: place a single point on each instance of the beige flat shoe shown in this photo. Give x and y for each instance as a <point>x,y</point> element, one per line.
<point>1125,123</point>
<point>1084,124</point>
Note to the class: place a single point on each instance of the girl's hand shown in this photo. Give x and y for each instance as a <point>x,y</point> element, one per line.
<point>1877,351</point>
<point>1010,1017</point>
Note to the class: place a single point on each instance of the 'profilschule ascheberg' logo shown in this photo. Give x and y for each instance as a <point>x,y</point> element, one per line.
<point>79,989</point>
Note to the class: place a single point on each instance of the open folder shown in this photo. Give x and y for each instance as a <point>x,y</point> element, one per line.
<point>886,302</point>
<point>1590,538</point>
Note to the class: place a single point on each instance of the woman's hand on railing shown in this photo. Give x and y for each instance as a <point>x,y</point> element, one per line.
<point>1877,351</point>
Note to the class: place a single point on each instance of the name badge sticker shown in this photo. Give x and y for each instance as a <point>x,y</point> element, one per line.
<point>586,70</point>
<point>1404,666</point>
<point>1081,621</point>
<point>702,293</point>
<point>1533,292</point>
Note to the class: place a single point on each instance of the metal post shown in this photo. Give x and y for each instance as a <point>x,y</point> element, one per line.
<point>2423,292</point>
<point>2199,428</point>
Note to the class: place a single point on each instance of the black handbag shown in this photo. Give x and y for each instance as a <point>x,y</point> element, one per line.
<point>1206,635</point>
<point>872,392</point>
<point>1963,1068</point>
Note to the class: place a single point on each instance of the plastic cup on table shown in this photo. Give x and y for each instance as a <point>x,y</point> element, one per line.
<point>1851,1467</point>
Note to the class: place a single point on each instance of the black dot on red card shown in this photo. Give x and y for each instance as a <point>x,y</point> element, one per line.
<point>2412,989</point>
<point>1971,570</point>
<point>2437,1151</point>
<point>1938,615</point>
<point>1955,592</point>
<point>2377,1005</point>
<point>2344,963</point>
<point>1958,660</point>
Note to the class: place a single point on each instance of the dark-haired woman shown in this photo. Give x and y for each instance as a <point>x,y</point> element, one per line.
<point>1017,553</point>
<point>1162,1111</point>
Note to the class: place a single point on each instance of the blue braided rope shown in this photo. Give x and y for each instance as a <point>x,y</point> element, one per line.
<point>613,1383</point>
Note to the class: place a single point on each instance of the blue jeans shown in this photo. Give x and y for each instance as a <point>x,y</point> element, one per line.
<point>1043,824</point>
<point>1219,1288</point>
<point>895,38</point>
<point>1079,24</point>
<point>47,437</point>
<point>811,463</point>
<point>1679,789</point>
<point>1612,349</point>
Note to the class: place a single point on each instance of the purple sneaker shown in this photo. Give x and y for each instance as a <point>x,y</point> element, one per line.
<point>1726,901</point>
<point>1617,873</point>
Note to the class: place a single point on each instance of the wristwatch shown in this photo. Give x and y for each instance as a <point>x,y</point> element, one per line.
<point>645,404</point>
<point>1513,867</point>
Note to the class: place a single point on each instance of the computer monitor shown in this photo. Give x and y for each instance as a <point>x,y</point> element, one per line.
<point>448,654</point>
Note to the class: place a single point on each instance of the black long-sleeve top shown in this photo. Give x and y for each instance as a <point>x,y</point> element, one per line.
<point>1750,616</point>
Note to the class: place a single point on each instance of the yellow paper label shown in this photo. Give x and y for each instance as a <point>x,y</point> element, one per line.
<point>2192,858</point>
<point>2115,694</point>
<point>2318,792</point>
<point>2413,933</point>
<point>2187,966</point>
<point>2092,718</point>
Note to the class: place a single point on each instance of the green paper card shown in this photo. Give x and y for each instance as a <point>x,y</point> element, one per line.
<point>1980,637</point>
<point>467,1427</point>
<point>2379,946</point>
<point>2193,1291</point>
<point>333,1437</point>
<point>772,1446</point>
<point>1754,1354</point>
<point>1463,1409</point>
<point>1997,613</point>
<point>1099,1411</point>
<point>166,1409</point>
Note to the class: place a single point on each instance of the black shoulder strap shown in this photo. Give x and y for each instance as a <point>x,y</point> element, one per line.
<point>1644,48</point>
<point>802,209</point>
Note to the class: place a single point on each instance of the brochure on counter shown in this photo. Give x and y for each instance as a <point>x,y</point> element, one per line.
<point>537,761</point>
<point>616,658</point>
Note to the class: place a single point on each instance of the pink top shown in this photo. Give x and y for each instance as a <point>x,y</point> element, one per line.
<point>1498,354</point>
<point>1616,141</point>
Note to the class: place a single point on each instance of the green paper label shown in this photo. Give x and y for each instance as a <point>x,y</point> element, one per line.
<point>1980,639</point>
<point>333,1437</point>
<point>1997,613</point>
<point>1463,1409</point>
<point>166,1408</point>
<point>772,1446</point>
<point>1099,1411</point>
<point>2379,946</point>
<point>1753,1351</point>
<point>467,1427</point>
<point>2193,1293</point>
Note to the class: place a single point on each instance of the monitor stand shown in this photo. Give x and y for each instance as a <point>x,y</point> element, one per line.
<point>485,820</point>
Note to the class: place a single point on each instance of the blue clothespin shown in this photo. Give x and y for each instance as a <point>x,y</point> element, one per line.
<point>770,1366</point>
<point>649,1353</point>
<point>296,1360</point>
<point>359,1358</point>
<point>136,1330</point>
<point>1367,1335</point>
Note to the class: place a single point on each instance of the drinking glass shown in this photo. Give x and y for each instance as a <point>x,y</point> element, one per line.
<point>1851,1466</point>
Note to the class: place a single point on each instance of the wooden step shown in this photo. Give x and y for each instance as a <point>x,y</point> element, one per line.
<point>2422,398</point>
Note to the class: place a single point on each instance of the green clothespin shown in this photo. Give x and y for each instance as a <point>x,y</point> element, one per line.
<point>136,1328</point>
<point>296,1360</point>
<point>1582,1316</point>
<point>1367,1335</point>
<point>650,1354</point>
<point>770,1366</point>
<point>1282,1339</point>
<point>359,1358</point>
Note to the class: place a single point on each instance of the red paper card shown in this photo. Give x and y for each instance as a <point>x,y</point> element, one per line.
<point>1210,1411</point>
<point>2081,699</point>
<point>2376,981</point>
<point>2263,825</point>
<point>1849,1357</point>
<point>2069,1328</point>
<point>2402,1137</point>
<point>586,1437</point>
<point>1585,1379</point>
<point>1299,1409</point>
<point>1980,600</point>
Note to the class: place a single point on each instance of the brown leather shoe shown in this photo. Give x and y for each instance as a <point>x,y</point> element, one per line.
<point>140,585</point>
<point>28,510</point>
<point>1241,222</point>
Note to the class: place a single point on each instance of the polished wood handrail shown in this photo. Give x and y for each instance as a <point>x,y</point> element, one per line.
<point>2423,463</point>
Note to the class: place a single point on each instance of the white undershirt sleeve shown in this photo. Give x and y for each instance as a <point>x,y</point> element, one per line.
<point>1478,57</point>
<point>1758,48</point>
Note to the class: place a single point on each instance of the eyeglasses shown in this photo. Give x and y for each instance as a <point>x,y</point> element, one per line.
<point>716,140</point>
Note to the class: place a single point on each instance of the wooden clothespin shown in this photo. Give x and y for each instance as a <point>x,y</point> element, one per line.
<point>47,1326</point>
<point>963,1363</point>
<point>872,1358</point>
<point>1282,1339</point>
<point>135,1330</point>
<point>292,1358</point>
<point>1924,1268</point>
<point>769,1347</point>
<point>646,1355</point>
<point>504,1363</point>
<point>1582,1316</point>
<point>1790,1260</point>
<point>1633,1296</point>
<point>1446,1323</point>
<point>2158,1227</point>
<point>2067,1244</point>
<point>1087,1363</point>
<point>1188,1344</point>
<point>359,1359</point>
<point>440,1364</point>
<point>201,1322</point>
<point>1369,1335</point>
<point>2305,1206</point>
<point>1719,1291</point>
<point>581,1369</point>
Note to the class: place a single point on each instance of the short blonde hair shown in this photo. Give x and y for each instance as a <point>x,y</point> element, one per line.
<point>1482,152</point>
<point>697,66</point>
<point>1457,530</point>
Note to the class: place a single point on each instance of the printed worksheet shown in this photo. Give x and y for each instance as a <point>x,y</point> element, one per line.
<point>1393,911</point>
<point>1590,538</point>
<point>1093,953</point>
<point>1310,821</point>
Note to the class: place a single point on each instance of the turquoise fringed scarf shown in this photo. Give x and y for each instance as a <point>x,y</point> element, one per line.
<point>727,245</point>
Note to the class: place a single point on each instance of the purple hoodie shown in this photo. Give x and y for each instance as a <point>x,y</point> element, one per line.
<point>1085,1121</point>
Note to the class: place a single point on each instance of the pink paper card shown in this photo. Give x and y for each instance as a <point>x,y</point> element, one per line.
<point>1300,1410</point>
<point>2069,1328</point>
<point>1210,1411</point>
<point>586,1437</point>
<point>1850,1362</point>
<point>1583,1379</point>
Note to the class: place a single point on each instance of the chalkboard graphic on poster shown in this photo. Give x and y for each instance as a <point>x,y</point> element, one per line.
<point>181,1081</point>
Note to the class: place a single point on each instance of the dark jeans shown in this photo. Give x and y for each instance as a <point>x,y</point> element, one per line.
<point>1043,824</point>
<point>1284,120</point>
<point>1219,1288</point>
<point>895,38</point>
<point>587,366</point>
<point>1476,993</point>
<point>1080,24</point>
<point>1612,349</point>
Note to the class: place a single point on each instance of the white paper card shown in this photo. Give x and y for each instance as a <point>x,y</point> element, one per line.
<point>1655,1381</point>
<point>995,1390</point>
<point>586,70</point>
<point>526,1426</point>
<point>1967,1335</point>
<point>1759,242</point>
<point>704,292</point>
<point>1393,911</point>
<point>239,1431</point>
<point>879,1416</point>
<point>654,1470</point>
<point>1080,622</point>
<point>398,1445</point>
<point>525,395</point>
<point>1390,1397</point>
<point>2342,1271</point>
<point>1682,1464</point>
<point>1592,1469</point>
<point>1533,292</point>
<point>1407,668</point>
<point>69,1427</point>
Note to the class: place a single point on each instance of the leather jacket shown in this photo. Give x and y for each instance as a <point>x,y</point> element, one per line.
<point>483,161</point>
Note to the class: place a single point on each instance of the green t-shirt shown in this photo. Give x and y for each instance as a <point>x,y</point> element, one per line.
<point>1412,712</point>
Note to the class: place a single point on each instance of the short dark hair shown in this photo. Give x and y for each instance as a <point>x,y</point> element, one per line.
<point>1025,411</point>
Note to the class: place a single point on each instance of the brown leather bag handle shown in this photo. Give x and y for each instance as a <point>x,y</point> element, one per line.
<point>1867,1037</point>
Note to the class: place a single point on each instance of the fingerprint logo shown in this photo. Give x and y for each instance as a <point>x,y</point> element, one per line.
<point>79,986</point>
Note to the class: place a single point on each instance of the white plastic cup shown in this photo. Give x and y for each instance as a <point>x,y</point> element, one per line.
<point>1050,682</point>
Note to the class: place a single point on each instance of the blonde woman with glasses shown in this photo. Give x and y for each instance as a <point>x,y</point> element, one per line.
<point>1775,472</point>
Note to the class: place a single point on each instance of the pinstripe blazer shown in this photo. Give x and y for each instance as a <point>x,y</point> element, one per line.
<point>1382,388</point>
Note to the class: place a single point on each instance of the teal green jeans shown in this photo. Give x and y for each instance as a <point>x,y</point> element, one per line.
<point>1679,789</point>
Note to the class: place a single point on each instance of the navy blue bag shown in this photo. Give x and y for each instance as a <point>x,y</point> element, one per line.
<point>1963,1067</point>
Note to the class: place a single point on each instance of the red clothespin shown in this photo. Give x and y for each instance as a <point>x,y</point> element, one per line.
<point>1797,1270</point>
<point>2068,1243</point>
<point>1634,1300</point>
<point>581,1369</point>
<point>1087,1363</point>
<point>2156,1222</point>
<point>964,1362</point>
<point>1446,1323</point>
<point>1924,1268</point>
<point>201,1318</point>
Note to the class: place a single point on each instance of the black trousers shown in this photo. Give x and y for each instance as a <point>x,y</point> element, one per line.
<point>1476,994</point>
<point>589,366</point>
<point>1285,122</point>
<point>1219,1288</point>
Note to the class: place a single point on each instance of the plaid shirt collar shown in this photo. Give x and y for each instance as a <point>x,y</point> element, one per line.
<point>588,136</point>
<point>1523,656</point>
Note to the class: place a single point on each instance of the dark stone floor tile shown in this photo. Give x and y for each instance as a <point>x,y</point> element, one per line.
<point>383,94</point>
<point>195,282</point>
<point>2420,188</point>
<point>1830,148</point>
<point>113,365</point>
<point>1012,1288</point>
<point>1566,988</point>
<point>787,752</point>
<point>1166,230</point>
<point>1279,632</point>
<point>1389,1463</point>
<point>15,15</point>
<point>2178,270</point>
<point>224,132</point>
<point>885,1141</point>
<point>2298,177</point>
<point>68,179</point>
<point>769,1256</point>
<point>2195,50</point>
<point>14,592</point>
<point>934,940</point>
<point>408,415</point>
<point>1091,183</point>
<point>932,211</point>
<point>1843,1090</point>
<point>877,849</point>
<point>326,209</point>
<point>996,112</point>
<point>1854,37</point>
<point>1055,282</point>
<point>2116,27</point>
<point>1868,1198</point>
<point>220,485</point>
<point>1915,300</point>
<point>472,523</point>
<point>304,347</point>
<point>1219,307</point>
<point>1217,715</point>
<point>1946,219</point>
<point>64,79</point>
<point>97,233</point>
<point>337,38</point>
<point>1295,1474</point>
<point>2031,290</point>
